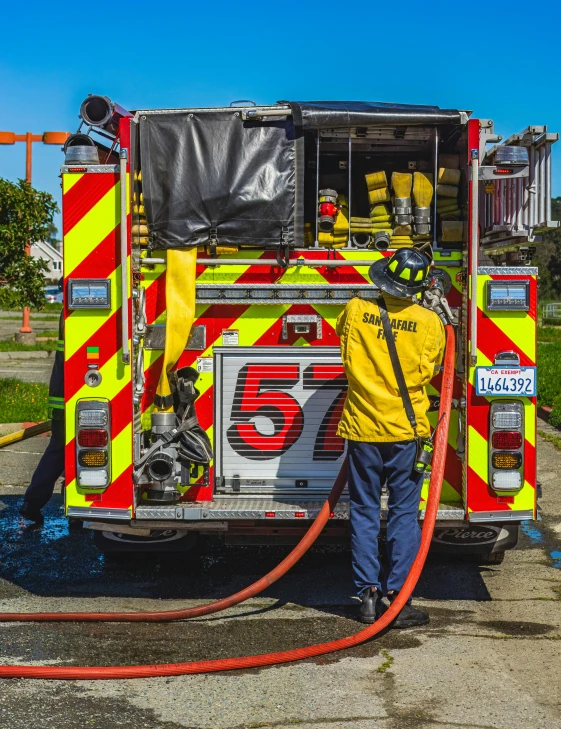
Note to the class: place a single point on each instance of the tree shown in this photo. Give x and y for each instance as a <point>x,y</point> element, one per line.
<point>548,258</point>
<point>26,216</point>
<point>52,238</point>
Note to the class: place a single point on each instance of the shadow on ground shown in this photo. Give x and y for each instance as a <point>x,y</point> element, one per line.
<point>55,562</point>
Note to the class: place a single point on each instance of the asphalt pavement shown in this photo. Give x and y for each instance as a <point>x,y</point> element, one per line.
<point>489,659</point>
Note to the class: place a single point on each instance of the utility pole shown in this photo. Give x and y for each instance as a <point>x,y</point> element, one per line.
<point>26,333</point>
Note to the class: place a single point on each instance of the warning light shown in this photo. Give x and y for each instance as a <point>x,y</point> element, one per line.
<point>270,514</point>
<point>299,514</point>
<point>503,171</point>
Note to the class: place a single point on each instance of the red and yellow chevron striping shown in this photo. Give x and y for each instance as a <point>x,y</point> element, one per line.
<point>91,224</point>
<point>500,331</point>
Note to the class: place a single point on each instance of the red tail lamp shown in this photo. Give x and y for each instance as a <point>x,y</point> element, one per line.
<point>94,438</point>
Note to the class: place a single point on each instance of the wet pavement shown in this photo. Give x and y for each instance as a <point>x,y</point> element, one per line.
<point>490,658</point>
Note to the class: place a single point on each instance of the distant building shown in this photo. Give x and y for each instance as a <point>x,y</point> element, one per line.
<point>51,256</point>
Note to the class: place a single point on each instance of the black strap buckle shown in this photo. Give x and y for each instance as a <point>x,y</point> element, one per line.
<point>283,251</point>
<point>213,242</point>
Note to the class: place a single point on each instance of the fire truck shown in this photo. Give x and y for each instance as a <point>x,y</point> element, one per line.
<point>203,277</point>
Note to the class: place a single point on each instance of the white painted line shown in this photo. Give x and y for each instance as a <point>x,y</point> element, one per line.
<point>26,453</point>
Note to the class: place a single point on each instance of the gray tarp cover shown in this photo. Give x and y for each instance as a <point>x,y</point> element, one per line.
<point>332,114</point>
<point>210,170</point>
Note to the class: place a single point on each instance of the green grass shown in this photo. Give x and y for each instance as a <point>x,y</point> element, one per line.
<point>49,307</point>
<point>550,438</point>
<point>17,318</point>
<point>22,402</point>
<point>549,379</point>
<point>9,346</point>
<point>549,334</point>
<point>48,333</point>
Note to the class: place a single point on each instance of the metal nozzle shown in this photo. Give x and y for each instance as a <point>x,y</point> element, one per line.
<point>100,111</point>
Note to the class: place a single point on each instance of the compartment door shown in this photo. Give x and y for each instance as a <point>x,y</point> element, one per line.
<point>277,411</point>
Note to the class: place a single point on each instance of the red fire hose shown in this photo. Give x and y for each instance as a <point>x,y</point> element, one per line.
<point>265,659</point>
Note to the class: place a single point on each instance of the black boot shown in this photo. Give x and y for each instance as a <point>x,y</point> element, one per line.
<point>409,617</point>
<point>371,606</point>
<point>32,513</point>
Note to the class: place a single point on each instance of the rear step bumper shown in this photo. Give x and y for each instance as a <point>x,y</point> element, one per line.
<point>226,509</point>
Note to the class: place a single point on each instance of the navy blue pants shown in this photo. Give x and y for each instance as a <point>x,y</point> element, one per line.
<point>50,468</point>
<point>371,465</point>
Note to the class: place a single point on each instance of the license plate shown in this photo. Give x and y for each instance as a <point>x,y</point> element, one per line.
<point>505,381</point>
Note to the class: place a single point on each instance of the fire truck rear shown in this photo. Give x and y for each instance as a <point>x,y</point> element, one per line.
<point>207,255</point>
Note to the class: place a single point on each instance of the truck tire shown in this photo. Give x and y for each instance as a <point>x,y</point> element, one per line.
<point>160,540</point>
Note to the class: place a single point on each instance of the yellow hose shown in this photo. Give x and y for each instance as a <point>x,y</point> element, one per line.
<point>25,433</point>
<point>180,305</point>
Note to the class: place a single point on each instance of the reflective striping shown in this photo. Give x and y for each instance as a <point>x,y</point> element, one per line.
<point>83,197</point>
<point>478,453</point>
<point>69,180</point>
<point>91,223</point>
<point>121,452</point>
<point>500,331</point>
<point>60,345</point>
<point>91,229</point>
<point>83,325</point>
<point>516,326</point>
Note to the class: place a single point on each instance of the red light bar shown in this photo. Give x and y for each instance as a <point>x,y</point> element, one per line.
<point>332,515</point>
<point>94,438</point>
<point>299,514</point>
<point>503,171</point>
<point>506,440</point>
<point>77,169</point>
<point>270,514</point>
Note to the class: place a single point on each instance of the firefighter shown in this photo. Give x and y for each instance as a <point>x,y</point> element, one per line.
<point>51,465</point>
<point>382,444</point>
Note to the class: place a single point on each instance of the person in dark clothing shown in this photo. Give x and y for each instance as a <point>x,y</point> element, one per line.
<point>51,465</point>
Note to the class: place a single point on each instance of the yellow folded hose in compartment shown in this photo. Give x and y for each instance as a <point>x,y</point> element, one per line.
<point>445,203</point>
<point>402,230</point>
<point>446,190</point>
<point>402,183</point>
<point>381,195</point>
<point>447,176</point>
<point>452,231</point>
<point>379,211</point>
<point>180,305</point>
<point>376,180</point>
<point>422,189</point>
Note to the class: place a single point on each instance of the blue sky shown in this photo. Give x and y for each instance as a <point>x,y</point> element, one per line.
<point>500,60</point>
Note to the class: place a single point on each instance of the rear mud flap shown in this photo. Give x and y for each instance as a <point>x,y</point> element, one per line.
<point>474,539</point>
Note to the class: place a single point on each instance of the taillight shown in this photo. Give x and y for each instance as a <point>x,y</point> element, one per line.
<point>506,445</point>
<point>506,440</point>
<point>92,438</point>
<point>93,441</point>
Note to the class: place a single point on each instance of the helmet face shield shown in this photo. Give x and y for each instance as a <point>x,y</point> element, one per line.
<point>403,274</point>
